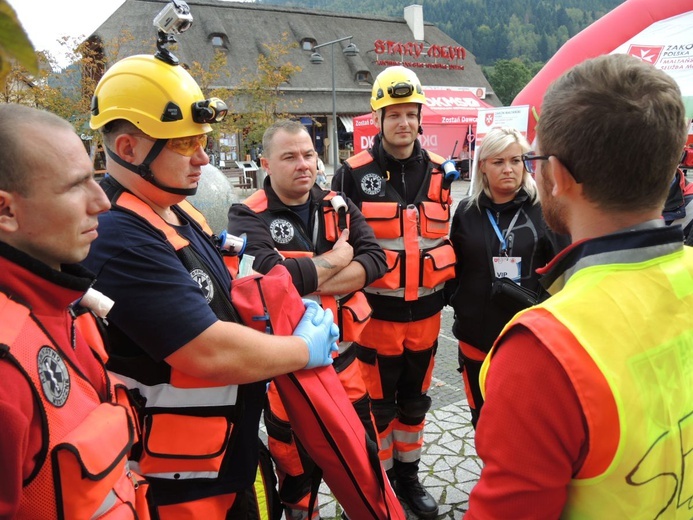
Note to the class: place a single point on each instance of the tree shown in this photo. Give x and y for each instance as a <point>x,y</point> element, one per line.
<point>209,78</point>
<point>14,44</point>
<point>66,92</point>
<point>257,101</point>
<point>508,78</point>
<point>258,94</point>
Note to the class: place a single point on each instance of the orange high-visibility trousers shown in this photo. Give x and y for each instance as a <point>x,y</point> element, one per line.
<point>398,360</point>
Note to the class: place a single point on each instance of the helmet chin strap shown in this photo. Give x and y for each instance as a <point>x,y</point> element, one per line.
<point>144,171</point>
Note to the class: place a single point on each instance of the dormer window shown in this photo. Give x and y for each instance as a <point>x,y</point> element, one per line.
<point>307,44</point>
<point>363,76</point>
<point>218,41</point>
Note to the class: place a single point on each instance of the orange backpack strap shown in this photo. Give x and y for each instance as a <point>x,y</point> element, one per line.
<point>434,157</point>
<point>297,254</point>
<point>359,159</point>
<point>257,201</point>
<point>140,208</point>
<point>196,215</point>
<point>87,326</point>
<point>12,318</point>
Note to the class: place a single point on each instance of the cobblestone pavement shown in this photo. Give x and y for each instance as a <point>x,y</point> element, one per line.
<point>449,464</point>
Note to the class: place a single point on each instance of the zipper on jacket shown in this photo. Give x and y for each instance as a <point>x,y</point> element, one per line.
<point>73,327</point>
<point>404,185</point>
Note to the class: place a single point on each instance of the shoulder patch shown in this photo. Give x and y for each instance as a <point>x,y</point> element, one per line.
<point>205,283</point>
<point>371,183</point>
<point>282,231</point>
<point>54,377</point>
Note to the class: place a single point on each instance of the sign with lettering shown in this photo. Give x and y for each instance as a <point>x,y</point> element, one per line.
<point>419,55</point>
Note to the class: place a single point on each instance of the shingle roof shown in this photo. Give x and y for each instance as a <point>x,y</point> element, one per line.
<point>247,26</point>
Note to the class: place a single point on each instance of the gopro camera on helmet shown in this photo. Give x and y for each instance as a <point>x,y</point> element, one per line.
<point>174,18</point>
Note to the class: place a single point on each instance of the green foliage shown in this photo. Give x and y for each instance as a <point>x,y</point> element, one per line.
<point>508,77</point>
<point>66,92</point>
<point>14,44</point>
<point>257,101</point>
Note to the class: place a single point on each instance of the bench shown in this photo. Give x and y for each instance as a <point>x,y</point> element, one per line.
<point>238,178</point>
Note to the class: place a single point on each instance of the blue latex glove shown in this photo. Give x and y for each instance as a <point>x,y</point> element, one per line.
<point>318,330</point>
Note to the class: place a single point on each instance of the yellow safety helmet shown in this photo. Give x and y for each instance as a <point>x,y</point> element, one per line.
<point>396,85</point>
<point>162,100</point>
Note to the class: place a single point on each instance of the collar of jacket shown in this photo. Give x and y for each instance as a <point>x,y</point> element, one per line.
<point>641,243</point>
<point>384,159</point>
<point>35,284</point>
<point>274,203</point>
<point>520,198</point>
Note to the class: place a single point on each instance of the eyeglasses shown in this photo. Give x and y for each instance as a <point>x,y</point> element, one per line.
<point>186,146</point>
<point>529,158</point>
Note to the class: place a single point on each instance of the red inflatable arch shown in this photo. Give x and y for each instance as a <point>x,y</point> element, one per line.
<point>610,34</point>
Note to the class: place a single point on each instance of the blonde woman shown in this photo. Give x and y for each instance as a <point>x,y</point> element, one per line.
<point>497,232</point>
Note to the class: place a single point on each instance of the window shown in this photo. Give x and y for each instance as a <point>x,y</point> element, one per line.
<point>307,44</point>
<point>219,41</point>
<point>363,76</point>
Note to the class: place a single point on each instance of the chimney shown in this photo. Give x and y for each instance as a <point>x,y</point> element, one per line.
<point>413,15</point>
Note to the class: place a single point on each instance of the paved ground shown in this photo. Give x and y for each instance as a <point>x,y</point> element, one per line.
<point>450,466</point>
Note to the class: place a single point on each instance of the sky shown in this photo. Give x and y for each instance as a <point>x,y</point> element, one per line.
<point>46,21</point>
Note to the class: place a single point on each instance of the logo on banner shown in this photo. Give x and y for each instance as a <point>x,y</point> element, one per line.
<point>647,53</point>
<point>488,119</point>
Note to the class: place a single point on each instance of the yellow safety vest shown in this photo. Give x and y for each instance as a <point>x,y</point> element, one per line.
<point>635,321</point>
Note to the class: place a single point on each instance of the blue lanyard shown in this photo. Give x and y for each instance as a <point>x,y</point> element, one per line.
<point>501,236</point>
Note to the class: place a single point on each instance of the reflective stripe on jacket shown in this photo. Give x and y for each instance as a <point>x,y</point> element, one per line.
<point>82,470</point>
<point>630,310</point>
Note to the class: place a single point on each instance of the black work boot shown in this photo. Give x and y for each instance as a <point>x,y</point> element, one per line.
<point>391,476</point>
<point>408,488</point>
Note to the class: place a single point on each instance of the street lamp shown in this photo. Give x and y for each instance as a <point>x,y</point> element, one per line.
<point>316,59</point>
